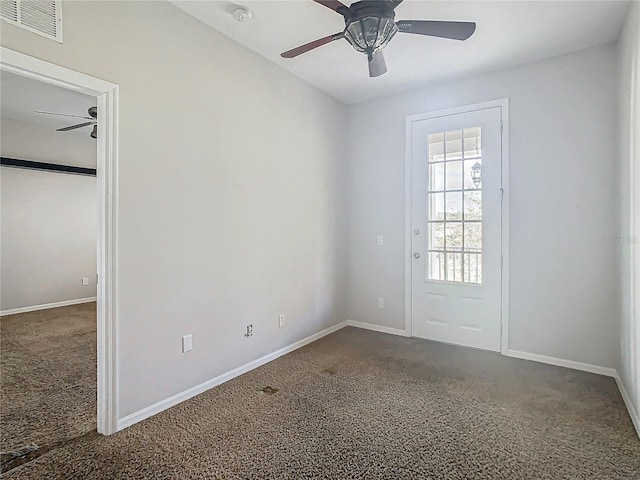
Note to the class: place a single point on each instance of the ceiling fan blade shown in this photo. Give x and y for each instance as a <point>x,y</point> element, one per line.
<point>311,45</point>
<point>377,65</point>
<point>64,115</point>
<point>453,30</point>
<point>73,127</point>
<point>334,5</point>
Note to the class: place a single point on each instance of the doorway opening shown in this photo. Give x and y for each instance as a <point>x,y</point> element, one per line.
<point>106,103</point>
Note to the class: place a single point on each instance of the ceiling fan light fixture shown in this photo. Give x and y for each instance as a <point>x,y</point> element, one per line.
<point>371,33</point>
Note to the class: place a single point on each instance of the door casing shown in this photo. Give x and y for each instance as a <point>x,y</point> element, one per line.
<point>107,95</point>
<point>503,105</point>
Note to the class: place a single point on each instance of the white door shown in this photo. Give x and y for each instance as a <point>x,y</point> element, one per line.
<point>456,228</point>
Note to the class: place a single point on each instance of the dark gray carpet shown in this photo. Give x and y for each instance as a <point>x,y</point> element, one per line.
<point>48,376</point>
<point>359,404</point>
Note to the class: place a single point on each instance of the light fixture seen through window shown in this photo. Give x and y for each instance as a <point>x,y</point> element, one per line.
<point>476,174</point>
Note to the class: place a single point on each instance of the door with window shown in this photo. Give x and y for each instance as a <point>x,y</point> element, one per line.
<point>456,228</point>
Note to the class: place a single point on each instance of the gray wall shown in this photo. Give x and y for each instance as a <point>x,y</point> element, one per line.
<point>564,280</point>
<point>629,132</point>
<point>231,208</point>
<point>49,220</point>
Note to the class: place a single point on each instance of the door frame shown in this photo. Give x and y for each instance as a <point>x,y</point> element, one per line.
<point>107,161</point>
<point>503,104</point>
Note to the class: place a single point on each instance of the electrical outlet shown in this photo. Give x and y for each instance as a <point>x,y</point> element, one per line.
<point>380,240</point>
<point>187,343</point>
<point>381,303</point>
<point>249,331</point>
<point>281,320</point>
<point>85,281</point>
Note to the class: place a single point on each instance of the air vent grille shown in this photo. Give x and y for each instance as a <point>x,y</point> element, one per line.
<point>9,10</point>
<point>43,17</point>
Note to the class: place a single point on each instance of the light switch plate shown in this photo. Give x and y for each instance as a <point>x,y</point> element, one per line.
<point>187,343</point>
<point>380,240</point>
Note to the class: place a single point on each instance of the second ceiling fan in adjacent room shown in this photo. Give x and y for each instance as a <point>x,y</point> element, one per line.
<point>370,25</point>
<point>93,121</point>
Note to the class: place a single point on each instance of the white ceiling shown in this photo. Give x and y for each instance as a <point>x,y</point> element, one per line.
<point>20,97</point>
<point>508,33</point>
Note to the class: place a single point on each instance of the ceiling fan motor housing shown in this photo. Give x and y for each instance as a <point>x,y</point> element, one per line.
<point>369,26</point>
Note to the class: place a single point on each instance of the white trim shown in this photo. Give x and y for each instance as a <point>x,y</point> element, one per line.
<point>46,306</point>
<point>377,328</point>
<point>634,234</point>
<point>503,104</point>
<point>408,224</point>
<point>561,362</point>
<point>504,247</point>
<point>635,418</point>
<point>107,146</point>
<point>225,377</point>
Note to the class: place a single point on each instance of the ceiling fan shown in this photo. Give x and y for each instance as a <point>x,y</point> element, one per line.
<point>370,25</point>
<point>93,117</point>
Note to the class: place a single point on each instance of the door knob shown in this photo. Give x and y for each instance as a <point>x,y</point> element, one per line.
<point>416,255</point>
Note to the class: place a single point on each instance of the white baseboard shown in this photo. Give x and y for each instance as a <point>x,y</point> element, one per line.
<point>225,377</point>
<point>633,413</point>
<point>560,362</point>
<point>376,328</point>
<point>46,306</point>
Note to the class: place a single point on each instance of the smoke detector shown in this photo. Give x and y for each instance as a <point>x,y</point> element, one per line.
<point>242,14</point>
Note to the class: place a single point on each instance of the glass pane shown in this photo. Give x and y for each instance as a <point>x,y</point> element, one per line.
<point>473,237</point>
<point>469,165</point>
<point>436,266</point>
<point>454,206</point>
<point>453,179</point>
<point>436,207</point>
<point>436,177</point>
<point>436,147</point>
<point>454,267</point>
<point>453,235</point>
<point>472,142</point>
<point>473,205</point>
<point>436,236</point>
<point>453,145</point>
<point>454,232</point>
<point>473,267</point>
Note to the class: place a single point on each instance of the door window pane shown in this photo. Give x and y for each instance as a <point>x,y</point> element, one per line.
<point>436,147</point>
<point>436,236</point>
<point>436,206</point>
<point>473,205</point>
<point>436,265</point>
<point>453,203</point>
<point>472,142</point>
<point>453,178</point>
<point>436,177</point>
<point>453,235</point>
<point>453,145</point>
<point>454,213</point>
